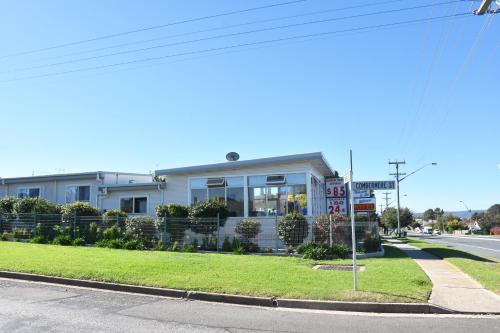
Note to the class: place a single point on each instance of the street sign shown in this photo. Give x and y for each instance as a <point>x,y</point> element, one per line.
<point>337,205</point>
<point>375,185</point>
<point>361,193</point>
<point>369,207</point>
<point>335,188</point>
<point>365,201</point>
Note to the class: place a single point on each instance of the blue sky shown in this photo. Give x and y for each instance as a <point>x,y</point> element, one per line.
<point>422,92</point>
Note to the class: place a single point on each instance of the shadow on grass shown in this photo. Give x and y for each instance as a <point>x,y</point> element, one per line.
<point>445,252</point>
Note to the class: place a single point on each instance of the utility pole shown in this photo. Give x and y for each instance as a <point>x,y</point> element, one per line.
<point>381,209</point>
<point>386,199</point>
<point>483,8</point>
<point>398,174</point>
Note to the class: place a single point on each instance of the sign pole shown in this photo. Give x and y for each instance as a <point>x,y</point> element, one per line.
<point>353,229</point>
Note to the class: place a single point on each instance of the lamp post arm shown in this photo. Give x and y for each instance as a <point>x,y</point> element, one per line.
<point>411,173</point>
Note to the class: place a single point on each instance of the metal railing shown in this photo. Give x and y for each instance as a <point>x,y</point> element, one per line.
<point>257,234</point>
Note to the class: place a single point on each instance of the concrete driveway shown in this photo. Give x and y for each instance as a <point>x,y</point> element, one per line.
<point>38,307</point>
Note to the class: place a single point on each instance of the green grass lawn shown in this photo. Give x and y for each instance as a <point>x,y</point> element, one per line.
<point>485,271</point>
<point>392,278</point>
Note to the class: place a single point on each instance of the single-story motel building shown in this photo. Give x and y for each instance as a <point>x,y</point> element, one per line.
<point>251,188</point>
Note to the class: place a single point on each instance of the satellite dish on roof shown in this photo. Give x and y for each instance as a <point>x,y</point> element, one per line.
<point>232,156</point>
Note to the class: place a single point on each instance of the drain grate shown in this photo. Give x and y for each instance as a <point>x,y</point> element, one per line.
<point>338,268</point>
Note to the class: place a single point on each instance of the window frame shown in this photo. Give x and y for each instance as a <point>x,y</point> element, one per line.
<point>133,197</point>
<point>77,186</point>
<point>28,188</point>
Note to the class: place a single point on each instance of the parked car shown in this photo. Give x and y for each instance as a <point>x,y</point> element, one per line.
<point>427,230</point>
<point>436,232</point>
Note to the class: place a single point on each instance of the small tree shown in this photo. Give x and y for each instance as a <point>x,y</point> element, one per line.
<point>176,218</point>
<point>79,208</point>
<point>142,227</point>
<point>248,229</point>
<point>7,205</point>
<point>35,206</point>
<point>209,210</point>
<point>293,229</point>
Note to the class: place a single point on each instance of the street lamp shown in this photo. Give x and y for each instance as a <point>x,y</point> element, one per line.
<point>470,214</point>
<point>398,180</point>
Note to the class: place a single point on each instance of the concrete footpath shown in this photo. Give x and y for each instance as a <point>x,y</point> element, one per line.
<point>452,288</point>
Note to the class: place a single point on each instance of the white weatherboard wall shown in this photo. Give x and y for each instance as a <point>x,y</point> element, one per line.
<point>112,199</point>
<point>54,190</point>
<point>178,192</point>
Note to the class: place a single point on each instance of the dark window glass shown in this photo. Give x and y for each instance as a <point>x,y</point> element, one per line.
<point>83,193</point>
<point>235,201</point>
<point>127,205</point>
<point>216,192</point>
<point>198,195</point>
<point>141,205</point>
<point>34,192</point>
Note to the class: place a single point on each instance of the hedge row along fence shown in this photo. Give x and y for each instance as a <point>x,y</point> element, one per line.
<point>204,226</point>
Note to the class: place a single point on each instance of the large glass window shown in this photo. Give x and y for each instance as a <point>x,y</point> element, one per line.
<point>227,189</point>
<point>77,193</point>
<point>134,205</point>
<point>28,192</point>
<point>268,200</point>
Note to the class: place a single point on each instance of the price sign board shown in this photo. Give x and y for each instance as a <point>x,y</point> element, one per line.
<point>337,205</point>
<point>361,193</point>
<point>365,204</point>
<point>335,188</point>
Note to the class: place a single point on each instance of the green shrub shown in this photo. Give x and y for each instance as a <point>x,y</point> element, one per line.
<point>92,234</point>
<point>226,245</point>
<point>19,234</point>
<point>317,253</point>
<point>189,248</point>
<point>44,231</point>
<point>111,233</point>
<point>372,244</point>
<point>134,245</point>
<point>143,227</point>
<point>174,247</point>
<point>4,236</point>
<point>239,250</point>
<point>209,243</point>
<point>235,244</point>
<point>79,208</point>
<point>202,216</point>
<point>38,240</point>
<point>248,229</point>
<point>293,229</point>
<point>7,205</point>
<point>79,241</point>
<point>62,240</point>
<point>110,243</point>
<point>114,213</point>
<point>176,219</point>
<point>340,251</point>
<point>250,247</point>
<point>35,206</point>
<point>159,247</point>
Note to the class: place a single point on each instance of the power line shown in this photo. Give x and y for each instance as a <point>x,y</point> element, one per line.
<point>152,28</point>
<point>233,35</point>
<point>228,27</point>
<point>422,20</point>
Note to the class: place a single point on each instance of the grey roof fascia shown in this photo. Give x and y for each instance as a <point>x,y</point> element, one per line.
<point>248,163</point>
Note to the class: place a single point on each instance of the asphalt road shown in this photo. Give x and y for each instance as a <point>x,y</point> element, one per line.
<point>482,246</point>
<point>39,307</point>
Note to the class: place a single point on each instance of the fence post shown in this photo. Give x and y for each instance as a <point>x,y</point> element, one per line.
<point>276,238</point>
<point>331,230</point>
<point>74,224</point>
<point>165,230</point>
<point>1,219</point>
<point>218,231</point>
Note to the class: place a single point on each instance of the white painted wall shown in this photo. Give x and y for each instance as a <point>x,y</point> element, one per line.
<point>112,199</point>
